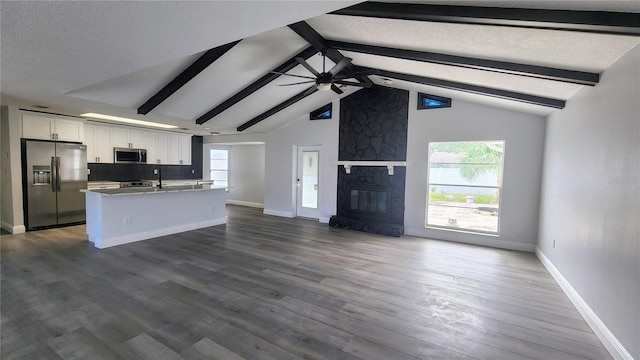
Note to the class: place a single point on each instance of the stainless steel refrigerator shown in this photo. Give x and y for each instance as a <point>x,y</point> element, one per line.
<point>53,173</point>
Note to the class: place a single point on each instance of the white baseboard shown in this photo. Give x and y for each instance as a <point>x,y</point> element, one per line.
<point>126,239</point>
<point>324,220</point>
<point>245,203</point>
<point>286,214</point>
<point>17,229</point>
<point>475,239</point>
<point>599,328</point>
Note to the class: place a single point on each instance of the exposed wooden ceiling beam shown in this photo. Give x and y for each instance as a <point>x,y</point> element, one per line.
<point>541,72</point>
<point>278,108</point>
<point>606,22</point>
<point>208,58</point>
<point>320,44</point>
<point>476,89</point>
<point>253,87</point>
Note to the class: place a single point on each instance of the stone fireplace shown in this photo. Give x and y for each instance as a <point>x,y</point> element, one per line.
<point>373,130</point>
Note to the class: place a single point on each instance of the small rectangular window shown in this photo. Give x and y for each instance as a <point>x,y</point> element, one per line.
<point>426,101</point>
<point>219,166</point>
<point>464,185</point>
<point>322,113</point>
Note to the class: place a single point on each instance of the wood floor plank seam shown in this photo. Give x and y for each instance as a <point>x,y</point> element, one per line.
<point>265,287</point>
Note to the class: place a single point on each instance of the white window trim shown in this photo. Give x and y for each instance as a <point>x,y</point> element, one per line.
<point>465,230</point>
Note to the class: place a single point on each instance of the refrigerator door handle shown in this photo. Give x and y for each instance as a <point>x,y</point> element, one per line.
<point>58,185</point>
<point>53,173</point>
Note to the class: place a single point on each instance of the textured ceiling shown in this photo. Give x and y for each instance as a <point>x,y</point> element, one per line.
<point>563,49</point>
<point>111,57</point>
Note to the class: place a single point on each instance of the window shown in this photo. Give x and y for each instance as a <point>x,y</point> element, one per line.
<point>426,101</point>
<point>219,166</point>
<point>322,113</point>
<point>465,180</point>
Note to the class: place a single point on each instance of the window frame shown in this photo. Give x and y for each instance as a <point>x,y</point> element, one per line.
<point>499,187</point>
<point>211,169</point>
<point>446,102</point>
<point>318,114</point>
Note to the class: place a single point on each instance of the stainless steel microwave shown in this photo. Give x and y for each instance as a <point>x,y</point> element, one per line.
<point>129,156</point>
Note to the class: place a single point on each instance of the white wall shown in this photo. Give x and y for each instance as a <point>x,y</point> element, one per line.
<point>12,217</point>
<point>590,203</point>
<point>246,175</point>
<point>280,166</point>
<point>464,121</point>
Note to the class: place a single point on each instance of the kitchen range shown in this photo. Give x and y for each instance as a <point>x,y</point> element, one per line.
<point>134,183</point>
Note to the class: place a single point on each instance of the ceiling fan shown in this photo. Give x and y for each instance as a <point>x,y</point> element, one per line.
<point>328,79</point>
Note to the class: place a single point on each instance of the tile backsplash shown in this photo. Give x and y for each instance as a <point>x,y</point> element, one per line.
<point>123,172</point>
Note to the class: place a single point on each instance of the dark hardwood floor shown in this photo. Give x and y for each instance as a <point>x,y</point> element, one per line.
<point>263,287</point>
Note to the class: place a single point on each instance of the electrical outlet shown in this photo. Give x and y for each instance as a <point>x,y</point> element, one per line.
<point>127,220</point>
<point>155,171</point>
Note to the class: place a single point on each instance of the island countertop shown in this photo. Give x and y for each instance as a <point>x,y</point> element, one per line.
<point>152,190</point>
<point>125,215</point>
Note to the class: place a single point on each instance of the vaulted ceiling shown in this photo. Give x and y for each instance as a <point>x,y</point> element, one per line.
<point>209,66</point>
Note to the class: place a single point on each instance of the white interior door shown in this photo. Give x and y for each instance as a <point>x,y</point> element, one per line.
<point>308,182</point>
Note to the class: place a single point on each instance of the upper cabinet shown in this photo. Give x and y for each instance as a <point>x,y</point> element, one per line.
<point>162,147</point>
<point>51,127</point>
<point>128,138</point>
<point>98,141</point>
<point>179,147</point>
<point>151,143</point>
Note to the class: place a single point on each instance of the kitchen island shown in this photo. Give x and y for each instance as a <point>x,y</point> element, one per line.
<point>125,215</point>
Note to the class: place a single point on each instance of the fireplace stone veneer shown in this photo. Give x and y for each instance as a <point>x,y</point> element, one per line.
<point>373,130</point>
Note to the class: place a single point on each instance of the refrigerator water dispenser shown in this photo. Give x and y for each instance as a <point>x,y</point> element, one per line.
<point>41,175</point>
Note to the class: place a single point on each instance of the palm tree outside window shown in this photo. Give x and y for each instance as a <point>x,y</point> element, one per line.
<point>464,185</point>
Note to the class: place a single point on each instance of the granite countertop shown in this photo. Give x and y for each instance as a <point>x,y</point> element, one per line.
<point>153,190</point>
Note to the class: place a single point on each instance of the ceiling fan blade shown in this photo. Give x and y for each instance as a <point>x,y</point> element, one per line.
<point>311,90</point>
<point>299,76</point>
<point>336,89</point>
<point>298,83</point>
<point>340,65</point>
<point>307,66</point>
<point>357,74</point>
<point>350,83</point>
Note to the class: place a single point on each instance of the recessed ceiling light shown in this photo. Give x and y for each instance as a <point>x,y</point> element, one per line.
<point>128,121</point>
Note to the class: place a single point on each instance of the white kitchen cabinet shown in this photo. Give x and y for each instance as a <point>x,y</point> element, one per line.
<point>163,148</point>
<point>128,138</point>
<point>50,127</point>
<point>179,147</point>
<point>137,138</point>
<point>98,141</point>
<point>185,149</point>
<point>151,144</point>
<point>173,150</point>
